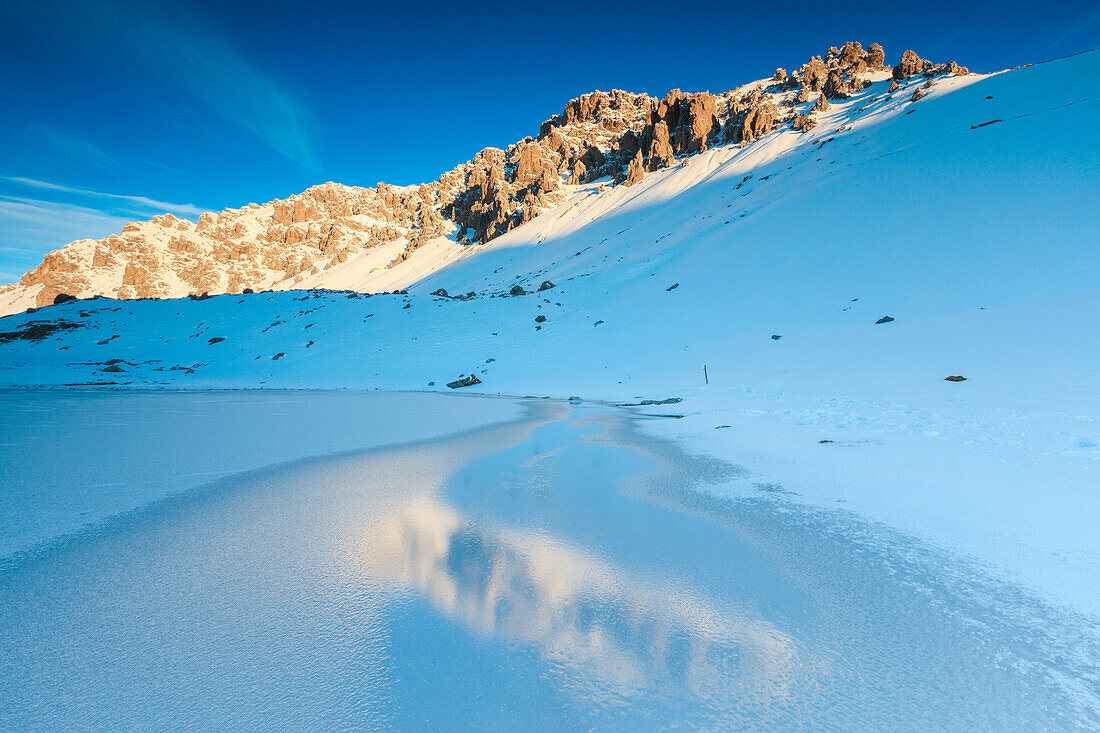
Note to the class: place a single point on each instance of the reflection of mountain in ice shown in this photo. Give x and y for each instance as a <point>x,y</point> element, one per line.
<point>626,633</point>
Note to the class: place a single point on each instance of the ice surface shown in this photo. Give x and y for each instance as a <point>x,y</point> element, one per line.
<point>559,572</point>
<point>71,459</point>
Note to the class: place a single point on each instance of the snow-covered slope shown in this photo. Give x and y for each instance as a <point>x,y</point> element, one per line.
<point>749,281</point>
<point>340,236</point>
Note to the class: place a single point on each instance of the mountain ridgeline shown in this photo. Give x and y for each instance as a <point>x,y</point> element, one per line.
<point>618,136</point>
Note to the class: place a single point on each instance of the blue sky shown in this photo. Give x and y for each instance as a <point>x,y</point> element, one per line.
<point>119,109</point>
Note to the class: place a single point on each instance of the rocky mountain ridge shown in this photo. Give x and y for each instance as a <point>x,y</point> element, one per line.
<point>615,135</point>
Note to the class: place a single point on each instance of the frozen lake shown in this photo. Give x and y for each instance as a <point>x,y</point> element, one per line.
<point>548,567</point>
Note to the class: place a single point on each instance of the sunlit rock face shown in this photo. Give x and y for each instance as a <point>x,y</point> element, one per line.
<point>293,242</point>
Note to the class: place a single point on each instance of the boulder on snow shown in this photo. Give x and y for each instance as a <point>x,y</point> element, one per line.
<point>62,298</point>
<point>464,382</point>
<point>517,290</point>
<point>546,285</point>
<point>955,378</point>
<point>884,319</point>
<point>540,319</point>
<point>441,293</point>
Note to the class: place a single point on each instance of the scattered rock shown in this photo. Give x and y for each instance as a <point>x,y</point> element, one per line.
<point>517,290</point>
<point>540,319</point>
<point>278,356</point>
<point>62,298</point>
<point>204,296</point>
<point>216,340</point>
<point>776,337</point>
<point>668,401</point>
<point>546,285</point>
<point>673,286</point>
<point>441,293</point>
<point>464,382</point>
<point>247,291</point>
<point>955,378</point>
<point>884,319</point>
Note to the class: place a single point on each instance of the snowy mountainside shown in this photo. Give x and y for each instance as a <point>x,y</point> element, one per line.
<point>364,238</point>
<point>888,207</point>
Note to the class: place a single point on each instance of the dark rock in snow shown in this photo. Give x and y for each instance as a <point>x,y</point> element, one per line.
<point>546,285</point>
<point>540,319</point>
<point>464,382</point>
<point>955,378</point>
<point>669,401</point>
<point>884,319</point>
<point>441,293</point>
<point>63,298</point>
<point>776,337</point>
<point>673,286</point>
<point>278,356</point>
<point>517,290</point>
<point>216,339</point>
<point>204,296</point>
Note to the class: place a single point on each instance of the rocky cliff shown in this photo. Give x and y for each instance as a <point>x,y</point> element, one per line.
<point>616,135</point>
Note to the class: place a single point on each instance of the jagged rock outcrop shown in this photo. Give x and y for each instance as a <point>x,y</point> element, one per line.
<point>636,171</point>
<point>909,65</point>
<point>750,121</point>
<point>617,135</point>
<point>659,154</point>
<point>803,123</point>
<point>835,87</point>
<point>876,56</point>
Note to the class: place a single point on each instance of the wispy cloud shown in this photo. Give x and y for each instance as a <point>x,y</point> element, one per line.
<point>31,226</point>
<point>138,205</point>
<point>36,216</point>
<point>73,146</point>
<point>170,42</point>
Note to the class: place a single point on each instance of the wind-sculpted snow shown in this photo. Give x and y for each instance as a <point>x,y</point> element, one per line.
<point>334,235</point>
